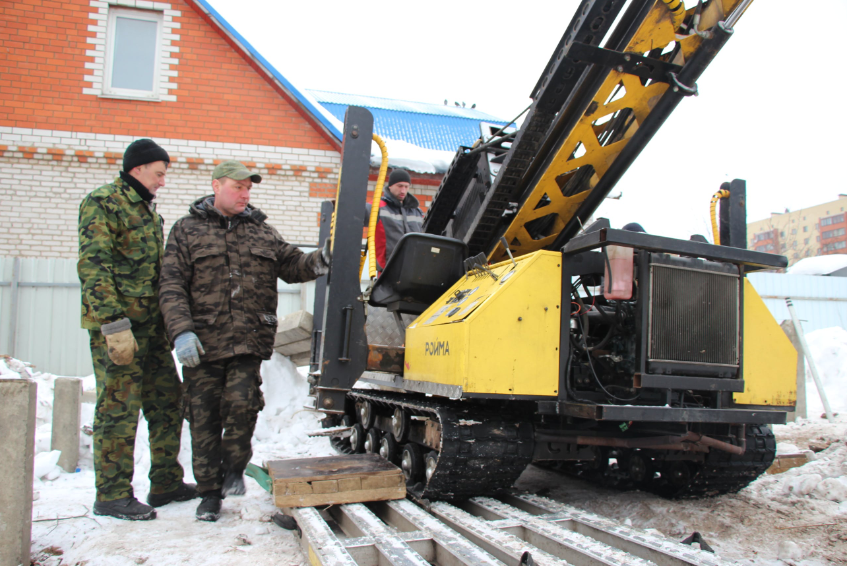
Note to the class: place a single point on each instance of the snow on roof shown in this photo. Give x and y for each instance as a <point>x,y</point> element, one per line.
<point>820,265</point>
<point>405,155</point>
<point>403,105</point>
<point>428,126</point>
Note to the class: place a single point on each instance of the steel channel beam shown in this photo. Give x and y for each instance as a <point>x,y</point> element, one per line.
<point>358,518</point>
<point>609,237</point>
<point>637,413</point>
<point>344,345</point>
<point>504,546</point>
<point>659,551</point>
<point>680,382</point>
<point>577,549</point>
<point>319,543</point>
<point>452,549</point>
<point>320,292</point>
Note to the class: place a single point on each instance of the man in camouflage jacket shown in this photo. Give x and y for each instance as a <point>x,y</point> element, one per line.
<point>218,293</point>
<point>120,255</point>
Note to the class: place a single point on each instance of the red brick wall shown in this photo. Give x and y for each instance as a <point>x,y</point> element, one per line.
<point>220,96</point>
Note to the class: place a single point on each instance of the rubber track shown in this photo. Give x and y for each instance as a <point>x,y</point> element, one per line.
<point>720,473</point>
<point>481,453</point>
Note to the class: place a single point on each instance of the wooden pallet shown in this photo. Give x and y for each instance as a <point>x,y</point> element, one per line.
<point>331,480</point>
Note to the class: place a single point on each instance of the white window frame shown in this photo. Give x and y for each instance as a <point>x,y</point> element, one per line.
<point>147,15</point>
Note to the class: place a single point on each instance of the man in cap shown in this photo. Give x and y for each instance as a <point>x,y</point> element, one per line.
<point>219,296</point>
<point>121,247</point>
<point>399,214</point>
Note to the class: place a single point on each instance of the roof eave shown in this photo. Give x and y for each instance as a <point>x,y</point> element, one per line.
<point>287,90</point>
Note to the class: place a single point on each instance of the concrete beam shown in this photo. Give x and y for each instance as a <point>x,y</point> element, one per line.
<point>17,453</point>
<point>67,396</point>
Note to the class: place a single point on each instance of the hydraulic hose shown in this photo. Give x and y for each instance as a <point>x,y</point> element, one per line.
<point>383,168</point>
<point>716,233</point>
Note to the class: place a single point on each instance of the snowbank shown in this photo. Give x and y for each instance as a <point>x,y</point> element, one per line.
<point>820,265</point>
<point>828,347</point>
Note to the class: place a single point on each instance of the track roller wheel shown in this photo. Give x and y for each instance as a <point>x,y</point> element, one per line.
<point>640,469</point>
<point>372,441</point>
<point>367,415</point>
<point>412,463</point>
<point>357,439</point>
<point>400,425</point>
<point>388,448</point>
<point>430,462</point>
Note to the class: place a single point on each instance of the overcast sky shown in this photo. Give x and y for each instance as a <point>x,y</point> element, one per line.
<point>769,109</point>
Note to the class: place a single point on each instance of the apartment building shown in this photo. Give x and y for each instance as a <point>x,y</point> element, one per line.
<point>816,230</point>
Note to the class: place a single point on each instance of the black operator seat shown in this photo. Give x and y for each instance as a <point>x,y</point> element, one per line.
<point>422,267</point>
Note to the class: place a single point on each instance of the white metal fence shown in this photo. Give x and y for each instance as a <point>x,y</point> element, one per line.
<point>40,308</point>
<point>40,311</point>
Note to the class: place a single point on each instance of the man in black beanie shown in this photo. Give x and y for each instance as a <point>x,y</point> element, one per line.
<point>121,247</point>
<point>399,214</point>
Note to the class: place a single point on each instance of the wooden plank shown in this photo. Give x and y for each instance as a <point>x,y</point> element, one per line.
<point>784,462</point>
<point>310,469</point>
<point>359,496</point>
<point>335,480</point>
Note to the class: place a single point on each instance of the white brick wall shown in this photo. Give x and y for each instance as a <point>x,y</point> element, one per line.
<point>43,179</point>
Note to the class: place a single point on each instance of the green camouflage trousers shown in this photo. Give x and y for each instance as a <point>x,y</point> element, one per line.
<point>150,384</point>
<point>224,400</point>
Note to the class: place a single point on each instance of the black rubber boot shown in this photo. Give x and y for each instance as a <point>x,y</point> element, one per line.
<point>127,508</point>
<point>233,483</point>
<point>210,508</point>
<point>185,492</point>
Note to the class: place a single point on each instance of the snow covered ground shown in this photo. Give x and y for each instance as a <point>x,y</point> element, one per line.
<point>796,518</point>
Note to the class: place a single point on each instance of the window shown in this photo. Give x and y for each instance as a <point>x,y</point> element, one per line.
<point>795,255</point>
<point>794,231</point>
<point>833,233</point>
<point>782,247</point>
<point>782,233</point>
<point>806,242</point>
<point>837,219</point>
<point>805,228</point>
<point>835,246</point>
<point>133,46</point>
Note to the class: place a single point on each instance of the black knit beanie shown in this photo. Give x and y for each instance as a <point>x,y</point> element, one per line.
<point>142,152</point>
<point>399,176</point>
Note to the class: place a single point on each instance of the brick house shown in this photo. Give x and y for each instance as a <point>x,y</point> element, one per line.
<point>84,78</point>
<point>69,108</point>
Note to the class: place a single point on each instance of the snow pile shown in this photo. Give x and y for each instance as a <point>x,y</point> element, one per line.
<point>820,265</point>
<point>404,155</point>
<point>283,424</point>
<point>828,347</point>
<point>822,483</point>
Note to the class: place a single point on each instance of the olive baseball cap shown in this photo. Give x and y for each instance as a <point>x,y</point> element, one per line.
<point>235,170</point>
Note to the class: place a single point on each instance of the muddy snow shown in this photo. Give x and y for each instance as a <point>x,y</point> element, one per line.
<point>798,517</point>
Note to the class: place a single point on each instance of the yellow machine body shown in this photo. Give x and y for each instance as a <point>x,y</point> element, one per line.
<point>769,361</point>
<point>500,338</point>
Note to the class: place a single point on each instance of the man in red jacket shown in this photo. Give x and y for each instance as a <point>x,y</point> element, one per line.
<point>399,214</point>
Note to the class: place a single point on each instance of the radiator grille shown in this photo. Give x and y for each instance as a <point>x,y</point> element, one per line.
<point>694,316</point>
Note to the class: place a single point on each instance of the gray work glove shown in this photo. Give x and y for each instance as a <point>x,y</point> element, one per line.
<point>322,268</point>
<point>188,349</point>
<point>120,342</point>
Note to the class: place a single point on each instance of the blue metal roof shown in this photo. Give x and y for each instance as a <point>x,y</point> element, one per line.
<point>431,126</point>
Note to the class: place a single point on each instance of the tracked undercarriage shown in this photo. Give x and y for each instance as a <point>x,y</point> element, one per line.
<point>451,450</point>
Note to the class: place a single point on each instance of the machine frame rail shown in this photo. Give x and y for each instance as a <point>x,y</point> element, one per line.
<point>482,531</point>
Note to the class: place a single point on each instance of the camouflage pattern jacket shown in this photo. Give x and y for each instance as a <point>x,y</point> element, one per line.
<point>219,280</point>
<point>121,246</point>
